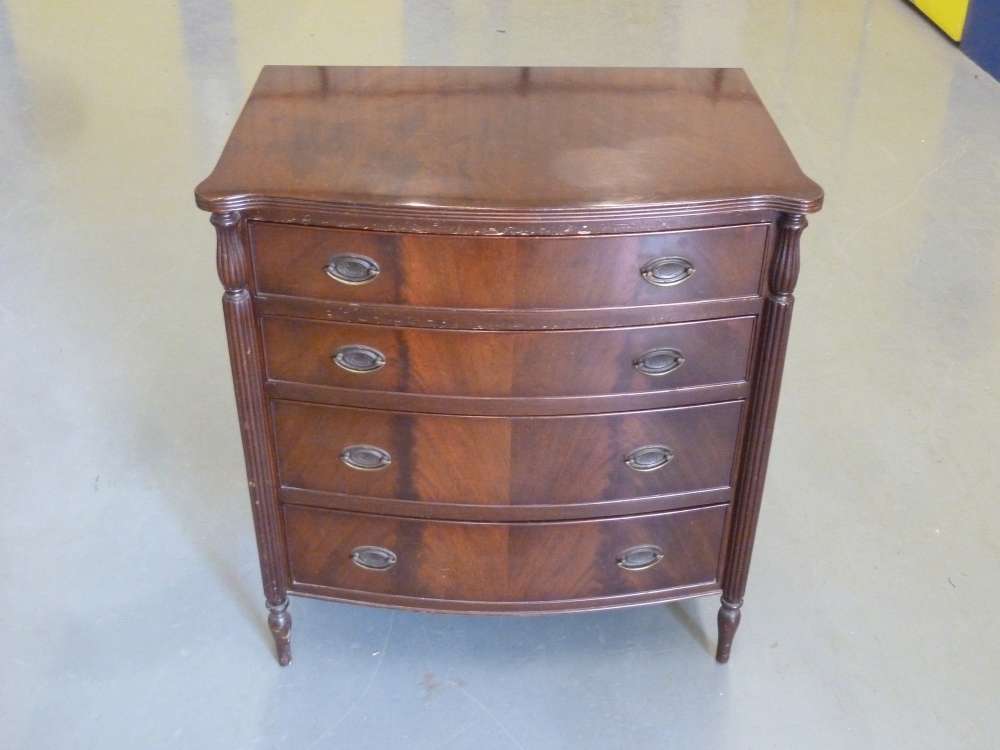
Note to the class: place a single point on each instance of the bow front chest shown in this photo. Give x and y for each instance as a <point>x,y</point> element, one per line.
<point>506,339</point>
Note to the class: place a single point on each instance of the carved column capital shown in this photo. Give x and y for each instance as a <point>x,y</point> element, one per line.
<point>785,265</point>
<point>231,257</point>
<point>225,218</point>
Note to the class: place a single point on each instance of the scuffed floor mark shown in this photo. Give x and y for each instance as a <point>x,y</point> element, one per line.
<point>380,655</point>
<point>492,716</point>
<point>957,154</point>
<point>430,685</point>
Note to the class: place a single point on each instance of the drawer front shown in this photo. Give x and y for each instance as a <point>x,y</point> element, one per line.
<point>508,272</point>
<point>505,461</point>
<point>504,563</point>
<point>508,363</point>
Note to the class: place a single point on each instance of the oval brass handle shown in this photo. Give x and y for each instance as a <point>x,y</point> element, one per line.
<point>373,558</point>
<point>352,269</point>
<point>357,358</point>
<point>365,457</point>
<point>640,557</point>
<point>658,362</point>
<point>667,271</point>
<point>649,458</point>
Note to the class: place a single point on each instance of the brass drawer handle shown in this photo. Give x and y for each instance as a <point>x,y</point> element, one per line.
<point>373,558</point>
<point>352,269</point>
<point>357,358</point>
<point>639,557</point>
<point>365,457</point>
<point>658,362</point>
<point>649,458</point>
<point>667,271</point>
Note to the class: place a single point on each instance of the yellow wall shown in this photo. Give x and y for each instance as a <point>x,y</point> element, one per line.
<point>949,15</point>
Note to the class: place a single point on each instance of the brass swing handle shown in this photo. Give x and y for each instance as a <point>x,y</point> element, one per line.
<point>358,358</point>
<point>352,269</point>
<point>640,557</point>
<point>649,458</point>
<point>669,271</point>
<point>660,361</point>
<point>373,558</point>
<point>365,457</point>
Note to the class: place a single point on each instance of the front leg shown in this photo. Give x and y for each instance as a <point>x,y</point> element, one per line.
<point>280,623</point>
<point>729,620</point>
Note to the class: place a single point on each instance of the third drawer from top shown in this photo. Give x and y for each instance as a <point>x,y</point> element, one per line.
<point>413,463</point>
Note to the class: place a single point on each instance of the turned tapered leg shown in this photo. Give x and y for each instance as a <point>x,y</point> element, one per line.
<point>247,360</point>
<point>280,623</point>
<point>729,620</point>
<point>775,321</point>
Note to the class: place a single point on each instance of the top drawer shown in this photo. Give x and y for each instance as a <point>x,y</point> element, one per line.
<point>509,273</point>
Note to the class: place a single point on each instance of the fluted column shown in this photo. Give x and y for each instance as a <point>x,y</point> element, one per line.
<point>246,358</point>
<point>775,321</point>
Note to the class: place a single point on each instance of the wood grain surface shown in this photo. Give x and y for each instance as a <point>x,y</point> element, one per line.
<point>529,273</point>
<point>498,145</point>
<point>508,363</point>
<point>503,461</point>
<point>518,563</point>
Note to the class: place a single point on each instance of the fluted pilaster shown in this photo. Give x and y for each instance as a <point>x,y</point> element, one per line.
<point>246,359</point>
<point>774,326</point>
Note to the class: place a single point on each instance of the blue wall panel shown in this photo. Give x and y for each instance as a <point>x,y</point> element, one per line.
<point>981,40</point>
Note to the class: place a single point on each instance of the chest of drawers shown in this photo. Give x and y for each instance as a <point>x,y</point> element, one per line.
<point>506,339</point>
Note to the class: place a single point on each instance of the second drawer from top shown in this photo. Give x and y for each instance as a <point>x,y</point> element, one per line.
<point>526,364</point>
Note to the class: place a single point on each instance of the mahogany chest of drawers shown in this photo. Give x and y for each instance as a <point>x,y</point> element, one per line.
<point>506,339</point>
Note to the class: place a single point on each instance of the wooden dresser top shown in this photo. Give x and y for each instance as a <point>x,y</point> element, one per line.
<point>507,144</point>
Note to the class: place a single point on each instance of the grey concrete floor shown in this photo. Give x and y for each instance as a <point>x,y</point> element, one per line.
<point>130,606</point>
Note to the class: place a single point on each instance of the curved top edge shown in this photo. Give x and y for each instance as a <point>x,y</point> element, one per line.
<point>437,219</point>
<point>504,150</point>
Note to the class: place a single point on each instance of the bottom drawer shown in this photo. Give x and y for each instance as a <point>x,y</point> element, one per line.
<point>501,566</point>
